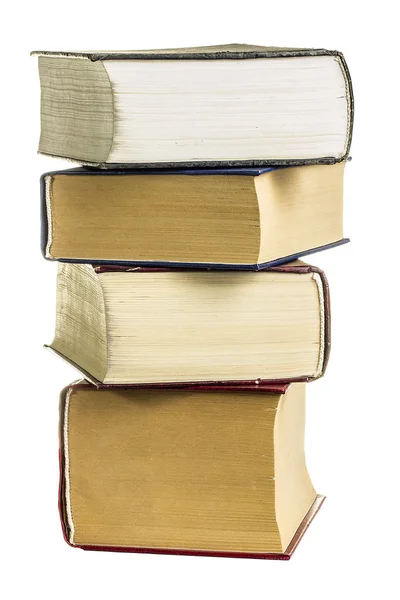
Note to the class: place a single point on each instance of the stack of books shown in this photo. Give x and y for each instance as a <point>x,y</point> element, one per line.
<point>207,172</point>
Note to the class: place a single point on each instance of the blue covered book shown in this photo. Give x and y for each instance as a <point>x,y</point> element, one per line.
<point>238,218</point>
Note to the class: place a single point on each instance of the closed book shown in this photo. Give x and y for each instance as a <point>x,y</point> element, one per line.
<point>238,218</point>
<point>219,105</point>
<point>131,325</point>
<point>206,471</point>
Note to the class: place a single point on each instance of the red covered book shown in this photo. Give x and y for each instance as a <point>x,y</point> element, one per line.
<point>201,470</point>
<point>127,326</point>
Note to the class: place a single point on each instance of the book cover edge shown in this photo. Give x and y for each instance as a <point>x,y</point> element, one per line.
<point>293,162</point>
<point>166,265</point>
<point>221,52</point>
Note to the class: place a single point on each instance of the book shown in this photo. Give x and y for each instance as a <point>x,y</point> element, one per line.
<point>246,218</point>
<point>206,471</point>
<point>220,105</point>
<point>121,325</point>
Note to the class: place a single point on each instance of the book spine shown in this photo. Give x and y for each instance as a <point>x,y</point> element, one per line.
<point>44,223</point>
<point>350,103</point>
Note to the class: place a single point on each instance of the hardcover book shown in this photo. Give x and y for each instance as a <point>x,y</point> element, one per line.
<point>214,471</point>
<point>244,218</point>
<point>121,325</point>
<point>219,105</point>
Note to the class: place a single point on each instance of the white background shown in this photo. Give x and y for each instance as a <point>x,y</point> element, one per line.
<point>351,549</point>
